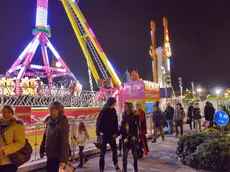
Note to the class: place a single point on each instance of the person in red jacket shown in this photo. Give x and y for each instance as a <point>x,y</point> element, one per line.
<point>143,145</point>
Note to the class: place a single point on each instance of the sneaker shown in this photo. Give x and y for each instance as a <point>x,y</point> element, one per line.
<point>86,160</point>
<point>80,166</point>
<point>117,168</point>
<point>163,138</point>
<point>119,154</point>
<point>154,140</point>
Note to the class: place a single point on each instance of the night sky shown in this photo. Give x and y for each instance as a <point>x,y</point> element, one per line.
<point>199,33</point>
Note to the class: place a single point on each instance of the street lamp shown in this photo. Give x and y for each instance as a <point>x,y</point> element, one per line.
<point>199,90</point>
<point>218,91</point>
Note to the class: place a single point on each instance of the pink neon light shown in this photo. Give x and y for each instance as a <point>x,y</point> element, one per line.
<point>23,54</point>
<point>42,3</point>
<point>94,37</point>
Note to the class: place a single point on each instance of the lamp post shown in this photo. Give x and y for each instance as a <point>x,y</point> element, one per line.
<point>181,88</point>
<point>165,84</point>
<point>193,89</point>
<point>199,90</point>
<point>218,91</point>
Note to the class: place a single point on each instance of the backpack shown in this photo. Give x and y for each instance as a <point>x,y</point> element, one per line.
<point>22,156</point>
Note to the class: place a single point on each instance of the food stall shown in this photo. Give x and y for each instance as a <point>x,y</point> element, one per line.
<point>145,92</point>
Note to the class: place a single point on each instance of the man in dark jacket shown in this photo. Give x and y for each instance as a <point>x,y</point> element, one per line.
<point>107,131</point>
<point>190,116</point>
<point>197,116</point>
<point>209,112</point>
<point>169,111</point>
<point>158,119</point>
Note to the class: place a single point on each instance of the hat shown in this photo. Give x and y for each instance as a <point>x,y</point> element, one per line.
<point>179,104</point>
<point>111,101</point>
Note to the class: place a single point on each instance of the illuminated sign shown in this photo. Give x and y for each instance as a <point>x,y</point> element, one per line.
<point>168,65</point>
<point>42,13</point>
<point>141,90</point>
<point>168,49</point>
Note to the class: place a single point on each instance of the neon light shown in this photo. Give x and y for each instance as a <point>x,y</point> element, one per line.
<point>61,70</point>
<point>25,51</point>
<point>58,64</point>
<point>53,49</point>
<point>46,56</point>
<point>168,49</point>
<point>14,69</point>
<point>42,13</point>
<point>36,67</point>
<point>111,67</point>
<point>168,64</point>
<point>21,72</point>
<point>94,37</point>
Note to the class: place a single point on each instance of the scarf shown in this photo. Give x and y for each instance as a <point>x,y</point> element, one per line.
<point>5,124</point>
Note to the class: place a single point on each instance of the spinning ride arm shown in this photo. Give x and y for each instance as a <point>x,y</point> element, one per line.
<point>89,44</point>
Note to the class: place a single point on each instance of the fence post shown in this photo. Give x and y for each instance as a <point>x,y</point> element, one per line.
<point>2,96</point>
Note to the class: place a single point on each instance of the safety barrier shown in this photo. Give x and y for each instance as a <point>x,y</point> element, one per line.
<point>47,95</point>
<point>34,134</point>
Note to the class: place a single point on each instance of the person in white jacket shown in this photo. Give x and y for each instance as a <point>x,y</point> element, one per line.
<point>82,141</point>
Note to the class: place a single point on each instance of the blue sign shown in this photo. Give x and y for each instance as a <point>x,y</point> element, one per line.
<point>221,118</point>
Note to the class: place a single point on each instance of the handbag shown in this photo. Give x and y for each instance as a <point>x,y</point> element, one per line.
<point>22,156</point>
<point>68,168</point>
<point>206,124</point>
<point>189,121</point>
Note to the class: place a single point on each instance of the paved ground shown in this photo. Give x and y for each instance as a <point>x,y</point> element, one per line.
<point>162,158</point>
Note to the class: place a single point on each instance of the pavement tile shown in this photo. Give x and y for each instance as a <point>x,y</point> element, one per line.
<point>161,158</point>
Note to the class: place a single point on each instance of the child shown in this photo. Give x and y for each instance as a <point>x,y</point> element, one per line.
<point>82,140</point>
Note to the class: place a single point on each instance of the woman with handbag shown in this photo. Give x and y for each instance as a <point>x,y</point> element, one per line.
<point>12,139</point>
<point>55,143</point>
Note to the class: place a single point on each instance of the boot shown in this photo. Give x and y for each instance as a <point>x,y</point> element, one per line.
<point>117,168</point>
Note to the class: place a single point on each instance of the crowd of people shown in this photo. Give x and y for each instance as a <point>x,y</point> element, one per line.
<point>131,130</point>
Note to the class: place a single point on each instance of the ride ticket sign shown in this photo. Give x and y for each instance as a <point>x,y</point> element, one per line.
<point>221,118</point>
<point>145,90</point>
<point>23,113</point>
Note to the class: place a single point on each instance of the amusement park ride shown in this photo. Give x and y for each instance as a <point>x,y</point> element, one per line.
<point>27,84</point>
<point>34,85</point>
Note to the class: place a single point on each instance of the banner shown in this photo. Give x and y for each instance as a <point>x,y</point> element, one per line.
<point>23,113</point>
<point>134,90</point>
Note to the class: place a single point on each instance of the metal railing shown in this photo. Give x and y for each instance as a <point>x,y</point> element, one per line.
<point>34,134</point>
<point>44,96</point>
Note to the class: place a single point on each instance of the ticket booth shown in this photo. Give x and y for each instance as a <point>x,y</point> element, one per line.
<point>145,92</point>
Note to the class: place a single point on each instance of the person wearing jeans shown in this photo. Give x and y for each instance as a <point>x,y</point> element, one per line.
<point>190,117</point>
<point>107,131</point>
<point>178,118</point>
<point>169,111</point>
<point>130,137</point>
<point>112,142</point>
<point>158,119</point>
<point>197,117</point>
<point>179,123</point>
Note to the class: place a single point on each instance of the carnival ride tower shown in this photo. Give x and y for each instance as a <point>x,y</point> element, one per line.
<point>22,67</point>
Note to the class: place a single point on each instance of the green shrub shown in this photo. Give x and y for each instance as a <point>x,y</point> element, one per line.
<point>189,143</point>
<point>213,155</point>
